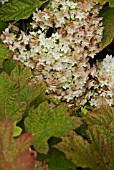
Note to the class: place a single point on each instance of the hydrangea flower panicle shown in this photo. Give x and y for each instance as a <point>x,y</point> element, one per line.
<point>64,36</point>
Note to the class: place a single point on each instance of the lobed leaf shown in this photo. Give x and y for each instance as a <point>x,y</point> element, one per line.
<point>4,53</point>
<point>56,160</point>
<point>44,122</point>
<point>20,75</point>
<point>3,25</point>
<point>103,119</point>
<point>9,108</point>
<point>29,92</point>
<point>16,94</point>
<point>16,10</point>
<point>14,153</point>
<point>97,155</point>
<point>108,22</point>
<point>33,94</point>
<point>9,65</point>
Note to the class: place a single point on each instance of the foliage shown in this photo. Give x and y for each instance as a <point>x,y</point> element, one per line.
<point>108,22</point>
<point>17,130</point>
<point>44,122</point>
<point>9,65</point>
<point>39,132</point>
<point>111,2</point>
<point>14,153</point>
<point>4,53</point>
<point>9,108</point>
<point>97,155</point>
<point>3,25</point>
<point>16,10</point>
<point>16,93</point>
<point>102,119</point>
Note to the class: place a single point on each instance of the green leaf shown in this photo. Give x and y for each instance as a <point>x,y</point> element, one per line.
<point>17,92</point>
<point>3,25</point>
<point>9,65</point>
<point>97,155</point>
<point>83,111</point>
<point>33,94</point>
<point>54,100</point>
<point>19,9</point>
<point>9,108</point>
<point>14,153</point>
<point>56,160</point>
<point>20,75</point>
<point>111,2</point>
<point>1,69</point>
<point>108,22</point>
<point>4,53</point>
<point>44,122</point>
<point>17,130</point>
<point>103,119</point>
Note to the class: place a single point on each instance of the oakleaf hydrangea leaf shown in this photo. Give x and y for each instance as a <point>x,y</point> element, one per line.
<point>108,22</point>
<point>44,122</point>
<point>20,75</point>
<point>9,65</point>
<point>33,94</point>
<point>4,53</point>
<point>111,2</point>
<point>3,25</point>
<point>17,92</point>
<point>14,153</point>
<point>96,155</point>
<point>103,119</point>
<point>56,160</point>
<point>16,10</point>
<point>9,108</point>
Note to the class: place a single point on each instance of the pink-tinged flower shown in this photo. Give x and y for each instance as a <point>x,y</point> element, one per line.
<point>64,36</point>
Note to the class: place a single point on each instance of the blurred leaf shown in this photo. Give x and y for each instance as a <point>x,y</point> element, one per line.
<point>83,111</point>
<point>9,65</point>
<point>111,2</point>
<point>108,22</point>
<point>4,53</point>
<point>44,122</point>
<point>1,69</point>
<point>97,155</point>
<point>16,10</point>
<point>54,100</point>
<point>17,130</point>
<point>14,153</point>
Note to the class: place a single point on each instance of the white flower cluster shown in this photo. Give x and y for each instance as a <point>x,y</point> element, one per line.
<point>3,1</point>
<point>62,39</point>
<point>103,75</point>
